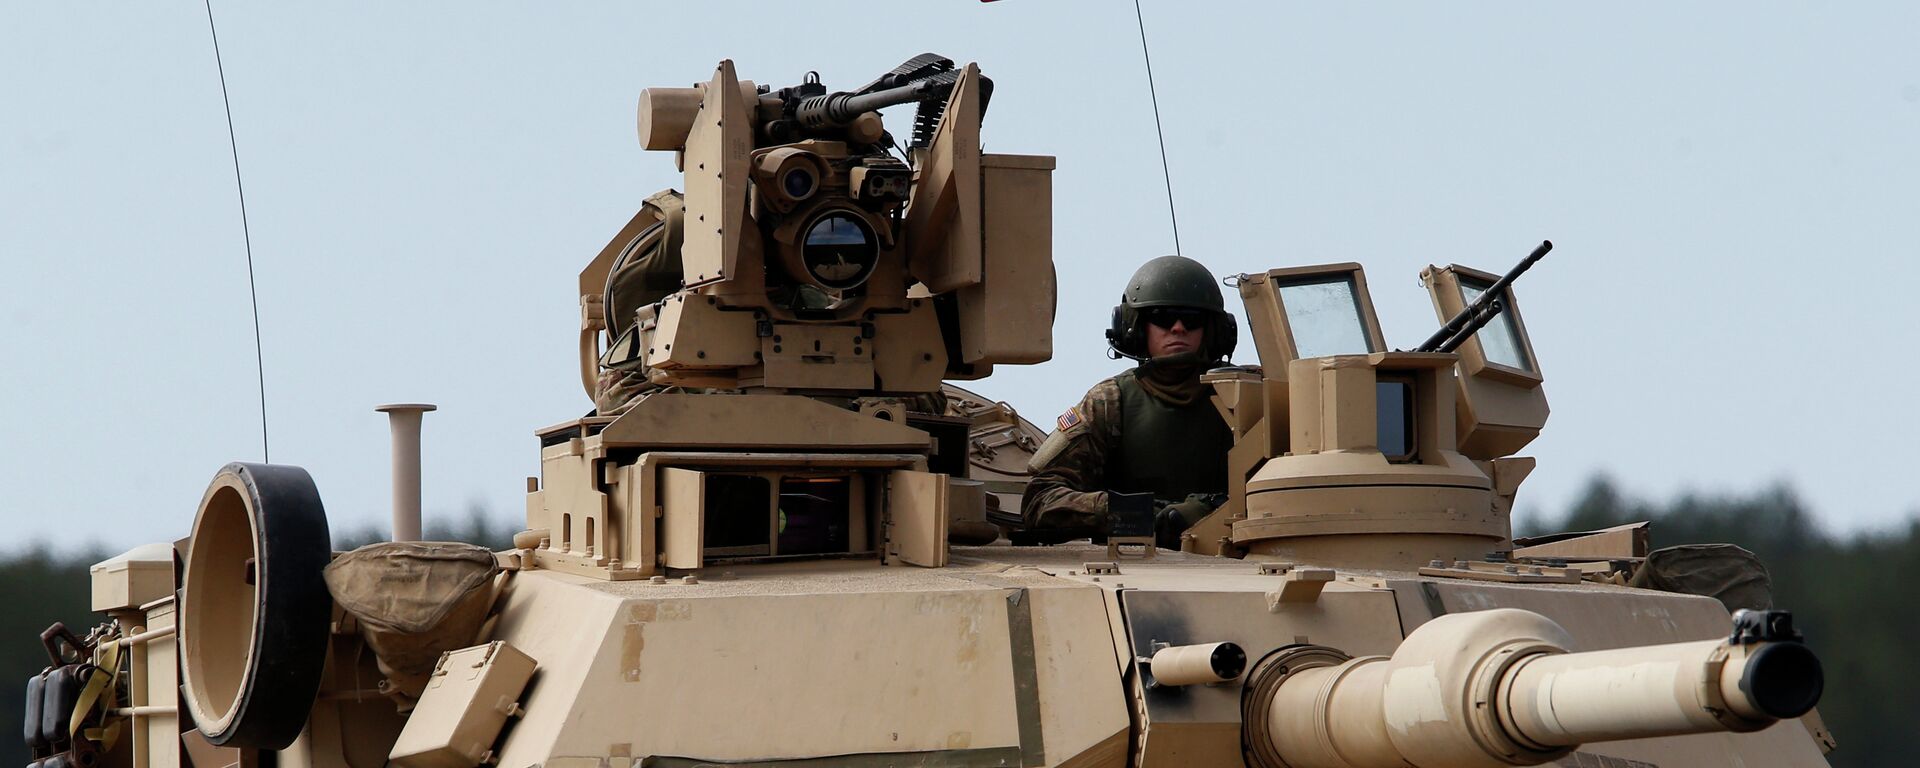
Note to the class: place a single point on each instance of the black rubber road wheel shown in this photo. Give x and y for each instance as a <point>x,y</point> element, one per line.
<point>255,612</point>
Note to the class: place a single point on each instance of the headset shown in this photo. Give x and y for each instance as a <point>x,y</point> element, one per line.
<point>1127,333</point>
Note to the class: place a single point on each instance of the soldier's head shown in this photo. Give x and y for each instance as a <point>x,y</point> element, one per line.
<point>1171,306</point>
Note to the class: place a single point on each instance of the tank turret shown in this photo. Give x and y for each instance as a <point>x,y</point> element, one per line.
<point>776,539</point>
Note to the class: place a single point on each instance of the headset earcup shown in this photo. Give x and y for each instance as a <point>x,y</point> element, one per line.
<point>1135,335</point>
<point>1121,333</point>
<point>1226,336</point>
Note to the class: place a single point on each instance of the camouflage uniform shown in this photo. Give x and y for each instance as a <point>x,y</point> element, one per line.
<point>617,390</point>
<point>1075,457</point>
<point>1127,434</point>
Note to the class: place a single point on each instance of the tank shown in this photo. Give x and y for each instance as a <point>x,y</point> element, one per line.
<point>783,536</point>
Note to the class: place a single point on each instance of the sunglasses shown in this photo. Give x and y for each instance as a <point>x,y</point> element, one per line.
<point>1167,317</point>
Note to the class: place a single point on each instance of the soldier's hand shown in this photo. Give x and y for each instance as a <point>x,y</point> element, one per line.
<point>1174,518</point>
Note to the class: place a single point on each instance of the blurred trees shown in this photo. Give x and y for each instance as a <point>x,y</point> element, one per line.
<point>36,590</point>
<point>478,527</point>
<point>1850,596</point>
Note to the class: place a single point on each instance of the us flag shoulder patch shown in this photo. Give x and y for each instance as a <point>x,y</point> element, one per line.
<point>1069,419</point>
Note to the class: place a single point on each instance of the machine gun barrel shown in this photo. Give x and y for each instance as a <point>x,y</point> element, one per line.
<point>1482,311</point>
<point>841,108</point>
<point>1498,687</point>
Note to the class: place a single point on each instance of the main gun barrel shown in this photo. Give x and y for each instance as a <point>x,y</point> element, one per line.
<point>1565,700</point>
<point>1498,687</point>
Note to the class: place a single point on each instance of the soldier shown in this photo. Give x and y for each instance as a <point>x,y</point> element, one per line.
<point>1150,429</point>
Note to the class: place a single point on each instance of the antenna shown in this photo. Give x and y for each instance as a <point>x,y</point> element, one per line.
<point>1164,173</point>
<point>259,364</point>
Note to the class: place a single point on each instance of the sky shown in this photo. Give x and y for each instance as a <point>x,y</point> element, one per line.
<point>1731,187</point>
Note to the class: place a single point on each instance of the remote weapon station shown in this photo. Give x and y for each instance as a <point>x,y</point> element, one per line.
<point>773,542</point>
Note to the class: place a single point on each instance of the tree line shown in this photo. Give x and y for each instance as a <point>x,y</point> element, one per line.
<point>1848,594</point>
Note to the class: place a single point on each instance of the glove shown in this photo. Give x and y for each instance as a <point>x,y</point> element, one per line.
<point>1175,518</point>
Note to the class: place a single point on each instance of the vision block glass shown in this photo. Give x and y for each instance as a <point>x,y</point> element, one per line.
<point>1500,339</point>
<point>1325,317</point>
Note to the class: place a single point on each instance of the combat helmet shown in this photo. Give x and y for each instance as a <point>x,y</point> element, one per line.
<point>1171,281</point>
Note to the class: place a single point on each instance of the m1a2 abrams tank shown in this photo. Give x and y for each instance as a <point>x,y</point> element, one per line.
<point>746,554</point>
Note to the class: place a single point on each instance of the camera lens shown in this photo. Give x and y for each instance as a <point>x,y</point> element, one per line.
<point>798,183</point>
<point>839,251</point>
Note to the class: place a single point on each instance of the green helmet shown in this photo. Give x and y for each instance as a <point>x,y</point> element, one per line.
<point>1171,281</point>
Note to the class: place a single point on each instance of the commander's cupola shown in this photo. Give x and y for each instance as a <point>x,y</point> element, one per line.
<point>1359,456</point>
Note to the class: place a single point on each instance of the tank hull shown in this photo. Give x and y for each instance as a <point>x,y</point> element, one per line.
<point>1009,656</point>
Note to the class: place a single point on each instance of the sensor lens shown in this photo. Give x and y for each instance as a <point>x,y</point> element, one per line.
<point>798,183</point>
<point>840,251</point>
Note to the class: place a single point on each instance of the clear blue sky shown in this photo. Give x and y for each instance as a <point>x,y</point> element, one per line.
<point>1732,187</point>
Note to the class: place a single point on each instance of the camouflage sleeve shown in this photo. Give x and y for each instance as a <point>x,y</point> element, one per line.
<point>619,390</point>
<point>1068,487</point>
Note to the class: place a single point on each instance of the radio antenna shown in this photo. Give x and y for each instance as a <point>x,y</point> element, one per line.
<point>246,234</point>
<point>1155,96</point>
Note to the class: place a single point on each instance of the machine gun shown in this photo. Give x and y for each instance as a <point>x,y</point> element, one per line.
<point>1483,309</point>
<point>926,79</point>
<point>789,262</point>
